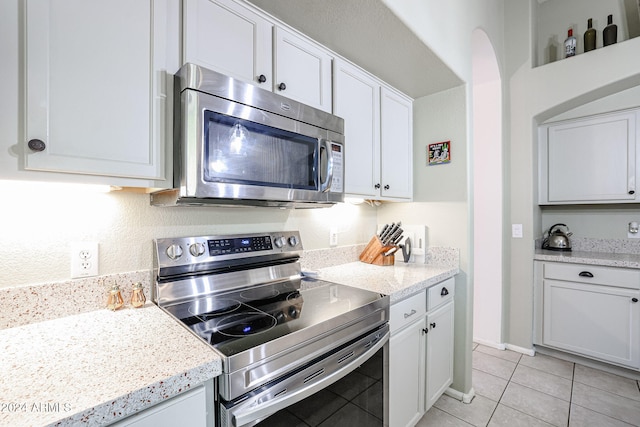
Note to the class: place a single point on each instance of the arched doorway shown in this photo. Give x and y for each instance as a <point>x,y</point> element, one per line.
<point>488,211</point>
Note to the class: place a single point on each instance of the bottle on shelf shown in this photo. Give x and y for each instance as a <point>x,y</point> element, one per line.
<point>610,32</point>
<point>589,37</point>
<point>570,44</point>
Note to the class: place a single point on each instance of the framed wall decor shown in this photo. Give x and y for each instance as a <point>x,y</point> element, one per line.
<point>439,153</point>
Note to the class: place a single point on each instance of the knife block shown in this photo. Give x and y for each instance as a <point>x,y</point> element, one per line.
<point>374,253</point>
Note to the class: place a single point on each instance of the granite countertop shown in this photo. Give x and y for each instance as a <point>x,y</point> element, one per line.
<point>398,281</point>
<point>607,259</point>
<point>93,368</point>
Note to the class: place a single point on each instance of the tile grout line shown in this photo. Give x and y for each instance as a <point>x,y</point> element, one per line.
<point>573,381</point>
<point>517,410</point>
<point>505,388</point>
<point>525,386</point>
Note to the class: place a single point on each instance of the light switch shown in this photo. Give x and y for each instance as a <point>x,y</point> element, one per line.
<point>516,231</point>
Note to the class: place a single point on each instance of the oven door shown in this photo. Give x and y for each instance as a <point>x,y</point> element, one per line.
<point>346,384</point>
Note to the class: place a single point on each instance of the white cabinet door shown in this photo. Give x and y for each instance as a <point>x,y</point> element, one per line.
<point>589,160</point>
<point>223,35</point>
<point>95,94</point>
<point>406,375</point>
<point>597,321</point>
<point>302,70</point>
<point>378,135</point>
<point>396,129</point>
<point>187,409</point>
<point>356,98</point>
<point>439,359</point>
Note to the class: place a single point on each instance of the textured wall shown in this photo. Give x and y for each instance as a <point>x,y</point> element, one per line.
<point>39,222</point>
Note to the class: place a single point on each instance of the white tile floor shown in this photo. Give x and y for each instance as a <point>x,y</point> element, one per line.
<point>516,390</point>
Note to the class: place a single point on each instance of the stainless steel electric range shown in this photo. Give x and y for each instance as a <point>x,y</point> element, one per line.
<point>296,350</point>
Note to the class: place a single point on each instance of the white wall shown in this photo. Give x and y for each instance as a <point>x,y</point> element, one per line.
<point>39,224</point>
<point>440,192</point>
<point>536,95</point>
<point>447,27</point>
<point>441,203</point>
<point>488,210</point>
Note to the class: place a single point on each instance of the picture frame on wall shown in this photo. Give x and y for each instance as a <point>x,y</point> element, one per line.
<point>439,153</point>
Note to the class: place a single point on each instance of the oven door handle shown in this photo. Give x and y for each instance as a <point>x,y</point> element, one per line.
<point>250,412</point>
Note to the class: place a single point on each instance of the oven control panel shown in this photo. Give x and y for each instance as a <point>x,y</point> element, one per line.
<point>193,250</point>
<point>239,245</point>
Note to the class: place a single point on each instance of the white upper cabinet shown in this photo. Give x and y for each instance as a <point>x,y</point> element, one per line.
<point>378,135</point>
<point>231,38</point>
<point>96,96</point>
<point>357,100</point>
<point>589,160</point>
<point>396,135</point>
<point>227,37</point>
<point>302,70</point>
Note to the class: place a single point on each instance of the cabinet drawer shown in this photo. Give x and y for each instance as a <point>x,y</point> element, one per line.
<point>440,293</point>
<point>609,276</point>
<point>406,311</point>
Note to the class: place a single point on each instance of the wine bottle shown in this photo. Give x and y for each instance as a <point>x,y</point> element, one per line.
<point>610,32</point>
<point>570,44</point>
<point>589,37</point>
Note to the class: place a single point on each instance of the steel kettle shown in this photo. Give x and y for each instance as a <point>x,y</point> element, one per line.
<point>556,239</point>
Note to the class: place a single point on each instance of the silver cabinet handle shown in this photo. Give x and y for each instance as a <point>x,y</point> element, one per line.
<point>411,313</point>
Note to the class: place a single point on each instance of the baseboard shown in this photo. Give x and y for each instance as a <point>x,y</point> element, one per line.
<point>498,346</point>
<point>526,351</point>
<point>463,397</point>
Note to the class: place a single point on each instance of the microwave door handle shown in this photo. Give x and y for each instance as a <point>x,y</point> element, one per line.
<point>326,146</point>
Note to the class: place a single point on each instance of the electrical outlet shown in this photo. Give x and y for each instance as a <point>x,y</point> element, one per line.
<point>419,235</point>
<point>333,236</point>
<point>84,259</point>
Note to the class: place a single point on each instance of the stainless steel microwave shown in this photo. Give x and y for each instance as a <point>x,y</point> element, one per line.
<point>237,144</point>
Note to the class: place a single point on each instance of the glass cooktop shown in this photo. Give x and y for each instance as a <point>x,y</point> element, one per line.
<point>237,321</point>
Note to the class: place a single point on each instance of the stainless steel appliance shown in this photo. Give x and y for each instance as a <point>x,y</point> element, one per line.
<point>289,343</point>
<point>556,239</point>
<point>239,144</point>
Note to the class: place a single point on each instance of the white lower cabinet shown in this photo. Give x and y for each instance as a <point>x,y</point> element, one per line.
<point>407,360</point>
<point>439,352</point>
<point>420,352</point>
<point>589,310</point>
<point>193,408</point>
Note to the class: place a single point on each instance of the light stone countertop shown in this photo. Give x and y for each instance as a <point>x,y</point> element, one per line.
<point>94,368</point>
<point>607,259</point>
<point>398,281</point>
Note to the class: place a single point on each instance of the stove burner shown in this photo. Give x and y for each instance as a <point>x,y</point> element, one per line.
<point>243,324</point>
<point>212,307</point>
<point>261,293</point>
